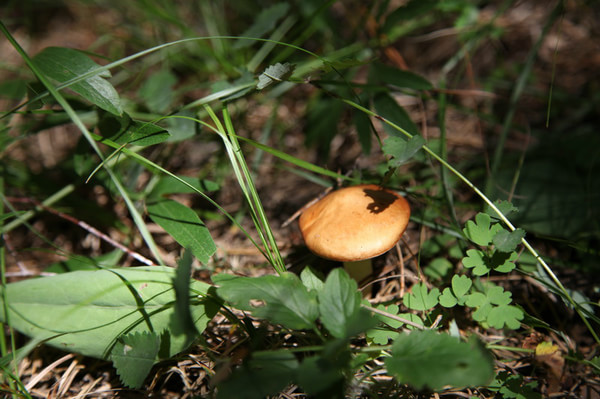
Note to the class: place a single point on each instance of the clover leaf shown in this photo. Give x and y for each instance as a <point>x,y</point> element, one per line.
<point>420,298</point>
<point>481,231</point>
<point>457,294</point>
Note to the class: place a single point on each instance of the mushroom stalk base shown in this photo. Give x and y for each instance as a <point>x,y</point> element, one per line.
<point>359,271</point>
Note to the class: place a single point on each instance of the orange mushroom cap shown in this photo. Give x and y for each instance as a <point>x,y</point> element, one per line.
<point>355,223</point>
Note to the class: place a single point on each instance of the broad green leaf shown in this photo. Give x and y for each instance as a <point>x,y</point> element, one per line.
<point>389,109</point>
<point>62,64</point>
<point>339,305</point>
<point>124,130</point>
<point>506,241</point>
<point>184,225</point>
<point>311,280</point>
<point>157,91</point>
<point>180,126</point>
<point>275,74</point>
<point>134,355</point>
<point>281,299</point>
<point>86,311</point>
<point>77,262</point>
<point>182,322</point>
<point>428,359</point>
<point>169,185</point>
<point>385,74</point>
<point>481,231</point>
<point>262,375</point>
<point>402,150</point>
<point>419,298</point>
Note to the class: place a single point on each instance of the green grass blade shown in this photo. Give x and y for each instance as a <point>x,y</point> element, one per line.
<point>137,217</point>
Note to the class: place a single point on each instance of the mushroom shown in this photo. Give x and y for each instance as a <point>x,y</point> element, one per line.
<point>354,224</point>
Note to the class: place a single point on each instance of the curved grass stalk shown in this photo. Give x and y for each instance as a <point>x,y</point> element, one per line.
<point>489,202</point>
<point>151,50</point>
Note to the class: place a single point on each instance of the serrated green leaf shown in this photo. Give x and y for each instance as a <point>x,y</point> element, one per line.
<point>134,355</point>
<point>507,241</point>
<point>282,299</point>
<point>184,225</point>
<point>402,150</point>
<point>428,359</point>
<point>419,298</point>
<point>339,305</point>
<point>124,130</point>
<point>86,311</point>
<point>62,64</point>
<point>274,74</point>
<point>481,231</point>
<point>311,280</point>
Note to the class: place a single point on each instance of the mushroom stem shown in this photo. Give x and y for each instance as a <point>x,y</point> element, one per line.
<point>359,270</point>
